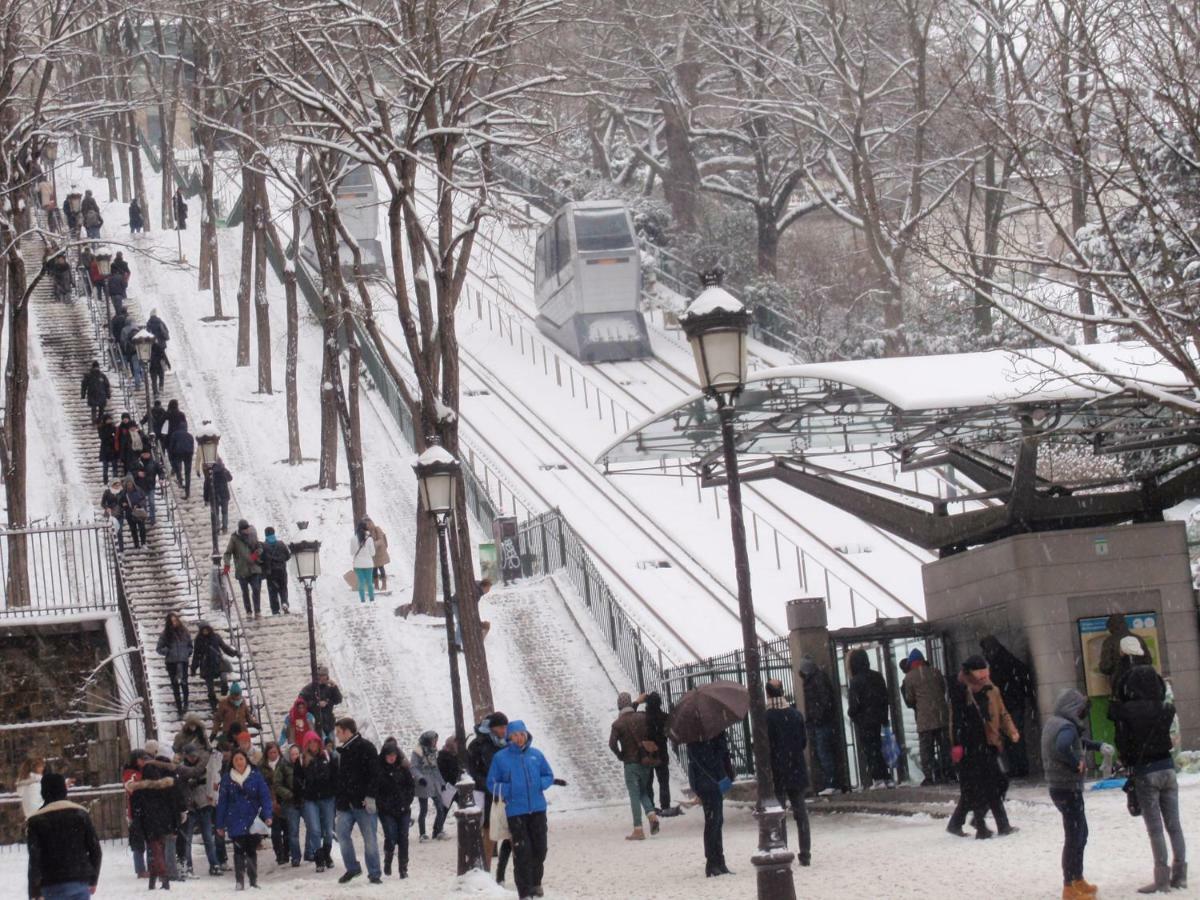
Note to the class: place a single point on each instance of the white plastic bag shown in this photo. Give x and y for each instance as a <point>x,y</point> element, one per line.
<point>498,821</point>
<point>260,828</point>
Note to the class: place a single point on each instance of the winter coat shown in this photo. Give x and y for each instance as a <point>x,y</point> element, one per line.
<point>192,732</point>
<point>358,773</point>
<point>313,694</point>
<point>175,645</point>
<point>158,359</point>
<point>132,444</point>
<point>869,704</point>
<point>275,556</point>
<point>1110,652</point>
<point>95,388</point>
<point>479,755</point>
<point>979,775</point>
<point>626,735</point>
<point>155,421</point>
<point>283,785</point>
<point>426,772</point>
<point>245,554</point>
<point>193,779</point>
<point>520,776</point>
<point>381,557</point>
<point>207,653</point>
<point>219,478</point>
<point>181,444</point>
<point>175,419</point>
<point>708,764</point>
<point>227,715</point>
<point>146,473</point>
<point>30,791</point>
<point>63,847</point>
<point>1143,719</point>
<point>240,804</point>
<point>131,499</point>
<point>117,287</point>
<point>110,443</point>
<point>156,803</point>
<point>316,779</point>
<point>179,207</point>
<point>159,329</point>
<point>91,215</point>
<point>89,203</point>
<point>135,215</point>
<point>449,766</point>
<point>363,553</point>
<point>788,738</point>
<point>396,789</point>
<point>120,267</point>
<point>1011,675</point>
<point>924,690</point>
<point>1063,742</point>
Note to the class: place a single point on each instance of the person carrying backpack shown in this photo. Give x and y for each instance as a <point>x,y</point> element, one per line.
<point>96,390</point>
<point>244,551</point>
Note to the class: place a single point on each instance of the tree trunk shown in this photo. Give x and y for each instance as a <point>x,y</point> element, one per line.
<point>475,655</point>
<point>207,223</point>
<point>119,131</point>
<point>295,456</point>
<point>107,160</point>
<point>767,231</point>
<point>681,181</point>
<point>139,181</point>
<point>244,283</point>
<point>425,566</point>
<point>85,150</point>
<point>262,315</point>
<point>16,393</point>
<point>327,478</point>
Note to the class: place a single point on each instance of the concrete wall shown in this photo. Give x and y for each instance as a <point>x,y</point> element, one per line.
<point>1034,588</point>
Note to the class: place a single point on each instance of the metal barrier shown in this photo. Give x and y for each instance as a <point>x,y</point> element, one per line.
<point>66,568</point>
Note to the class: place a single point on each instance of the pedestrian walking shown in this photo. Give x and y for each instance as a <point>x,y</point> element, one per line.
<point>1015,680</point>
<point>146,472</point>
<point>29,784</point>
<point>357,780</point>
<point>395,798</point>
<point>233,711</point>
<point>175,644</point>
<point>788,739</point>
<point>316,781</point>
<point>978,723</point>
<point>157,327</point>
<point>362,551</point>
<point>154,423</point>
<point>273,763</point>
<point>1063,746</point>
<point>216,490</point>
<point>208,658</point>
<point>244,798</point>
<point>819,710</point>
<point>290,803</point>
<point>180,448</point>
<point>158,367</point>
<point>869,709</point>
<point>74,216</point>
<point>626,737</point>
<point>657,758</point>
<point>136,224</point>
<point>134,511</point>
<point>1143,718</point>
<point>381,558</point>
<point>710,774</point>
<point>157,811</point>
<point>175,418</point>
<point>109,452</point>
<point>180,210</point>
<point>322,697</point>
<point>520,776</point>
<point>450,767</point>
<point>430,784</point>
<point>193,775</point>
<point>92,220</point>
<point>64,851</point>
<point>244,551</point>
<point>275,556</point>
<point>488,741</point>
<point>133,442</point>
<point>924,692</point>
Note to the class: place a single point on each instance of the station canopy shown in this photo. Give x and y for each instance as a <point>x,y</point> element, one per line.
<point>998,442</point>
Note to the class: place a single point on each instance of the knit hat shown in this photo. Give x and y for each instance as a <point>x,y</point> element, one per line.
<point>390,746</point>
<point>269,531</point>
<point>151,747</point>
<point>54,787</point>
<point>974,663</point>
<point>235,689</point>
<point>916,656</point>
<point>322,670</point>
<point>624,701</point>
<point>1131,646</point>
<point>243,524</point>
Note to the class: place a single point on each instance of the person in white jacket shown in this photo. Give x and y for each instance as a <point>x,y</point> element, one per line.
<point>29,784</point>
<point>362,549</point>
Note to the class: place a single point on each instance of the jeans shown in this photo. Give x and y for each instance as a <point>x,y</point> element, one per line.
<point>177,671</point>
<point>211,683</point>
<point>135,367</point>
<point>367,823</point>
<point>439,819</point>
<point>664,785</point>
<point>935,754</point>
<point>1075,831</point>
<point>1158,794</point>
<point>395,837</point>
<point>67,890</point>
<point>277,592</point>
<point>365,585</point>
<point>795,796</point>
<point>252,584</point>
<point>714,821</point>
<point>318,827</point>
<point>637,783</point>
<point>223,509</point>
<point>157,377</point>
<point>292,815</point>
<point>824,739</point>
<point>202,818</point>
<point>105,465</point>
<point>151,506</point>
<point>870,743</point>
<point>137,529</point>
<point>181,468</point>
<point>529,844</point>
<point>137,843</point>
<point>93,232</point>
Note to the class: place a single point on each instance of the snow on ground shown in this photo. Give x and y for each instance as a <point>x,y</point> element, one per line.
<point>892,857</point>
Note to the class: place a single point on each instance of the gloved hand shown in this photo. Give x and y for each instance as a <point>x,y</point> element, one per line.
<point>421,782</point>
<point>560,782</point>
<point>369,805</point>
<point>956,754</point>
<point>225,570</point>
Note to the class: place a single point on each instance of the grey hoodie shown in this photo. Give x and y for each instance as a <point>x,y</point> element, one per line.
<point>1063,742</point>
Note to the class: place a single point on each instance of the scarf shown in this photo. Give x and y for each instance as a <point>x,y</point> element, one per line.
<point>778,703</point>
<point>239,778</point>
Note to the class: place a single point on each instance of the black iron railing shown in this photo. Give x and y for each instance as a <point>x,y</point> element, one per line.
<point>62,569</point>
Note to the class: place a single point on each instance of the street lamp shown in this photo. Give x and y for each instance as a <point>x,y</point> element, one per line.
<point>103,263</point>
<point>143,343</point>
<point>437,477</point>
<point>208,439</point>
<point>716,324</point>
<point>306,559</point>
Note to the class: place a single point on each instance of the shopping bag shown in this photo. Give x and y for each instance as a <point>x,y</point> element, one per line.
<point>449,793</point>
<point>260,828</point>
<point>891,750</point>
<point>498,822</point>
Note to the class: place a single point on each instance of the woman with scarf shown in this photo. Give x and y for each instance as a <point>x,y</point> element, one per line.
<point>244,797</point>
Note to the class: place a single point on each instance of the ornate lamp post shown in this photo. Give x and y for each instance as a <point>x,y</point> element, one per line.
<point>208,439</point>
<point>104,267</point>
<point>306,560</point>
<point>143,343</point>
<point>716,324</point>
<point>437,475</point>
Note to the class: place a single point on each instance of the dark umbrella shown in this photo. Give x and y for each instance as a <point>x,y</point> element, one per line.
<point>706,711</point>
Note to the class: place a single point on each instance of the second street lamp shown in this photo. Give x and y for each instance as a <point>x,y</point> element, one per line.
<point>716,324</point>
<point>208,439</point>
<point>306,559</point>
<point>143,343</point>
<point>437,476</point>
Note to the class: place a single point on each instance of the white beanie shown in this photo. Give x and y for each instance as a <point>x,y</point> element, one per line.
<point>1131,646</point>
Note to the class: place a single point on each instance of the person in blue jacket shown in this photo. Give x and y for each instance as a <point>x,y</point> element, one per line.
<point>244,796</point>
<point>519,775</point>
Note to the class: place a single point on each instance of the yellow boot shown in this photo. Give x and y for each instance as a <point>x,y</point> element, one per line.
<point>1085,888</point>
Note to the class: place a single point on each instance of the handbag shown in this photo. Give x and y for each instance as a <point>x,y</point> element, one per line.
<point>498,821</point>
<point>140,514</point>
<point>1131,798</point>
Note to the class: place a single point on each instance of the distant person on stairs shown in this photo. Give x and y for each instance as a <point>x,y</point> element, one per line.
<point>180,448</point>
<point>158,367</point>
<point>382,558</point>
<point>134,511</point>
<point>110,446</point>
<point>58,269</point>
<point>208,658</point>
<point>96,390</point>
<point>275,556</point>
<point>234,709</point>
<point>322,696</point>
<point>120,267</point>
<point>244,550</point>
<point>175,643</point>
<point>216,489</point>
<point>180,210</point>
<point>146,473</point>
<point>133,442</point>
<point>362,549</point>
<point>155,423</point>
<point>135,217</point>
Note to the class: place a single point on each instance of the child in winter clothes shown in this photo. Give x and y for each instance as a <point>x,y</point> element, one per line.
<point>429,784</point>
<point>394,799</point>
<point>244,797</point>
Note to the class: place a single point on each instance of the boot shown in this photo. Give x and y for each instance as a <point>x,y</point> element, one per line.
<point>1085,888</point>
<point>1179,875</point>
<point>388,853</point>
<point>502,863</point>
<point>252,869</point>
<point>239,871</point>
<point>1162,881</point>
<point>653,823</point>
<point>637,835</point>
<point>153,882</point>
<point>166,884</point>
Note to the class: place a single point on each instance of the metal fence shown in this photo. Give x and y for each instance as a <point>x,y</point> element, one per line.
<point>57,569</point>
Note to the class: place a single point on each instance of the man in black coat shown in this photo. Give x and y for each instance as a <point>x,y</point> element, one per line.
<point>96,390</point>
<point>1015,681</point>
<point>489,739</point>
<point>357,781</point>
<point>819,710</point>
<point>180,448</point>
<point>64,851</point>
<point>216,489</point>
<point>322,696</point>
<point>275,558</point>
<point>786,735</point>
<point>146,472</point>
<point>869,710</point>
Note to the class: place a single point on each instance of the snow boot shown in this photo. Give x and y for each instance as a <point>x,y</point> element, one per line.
<point>388,853</point>
<point>653,823</point>
<point>1162,882</point>
<point>1179,875</point>
<point>637,835</point>
<point>153,882</point>
<point>252,869</point>
<point>502,862</point>
<point>1085,888</point>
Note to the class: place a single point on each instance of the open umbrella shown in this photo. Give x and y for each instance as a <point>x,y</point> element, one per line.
<point>706,711</point>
